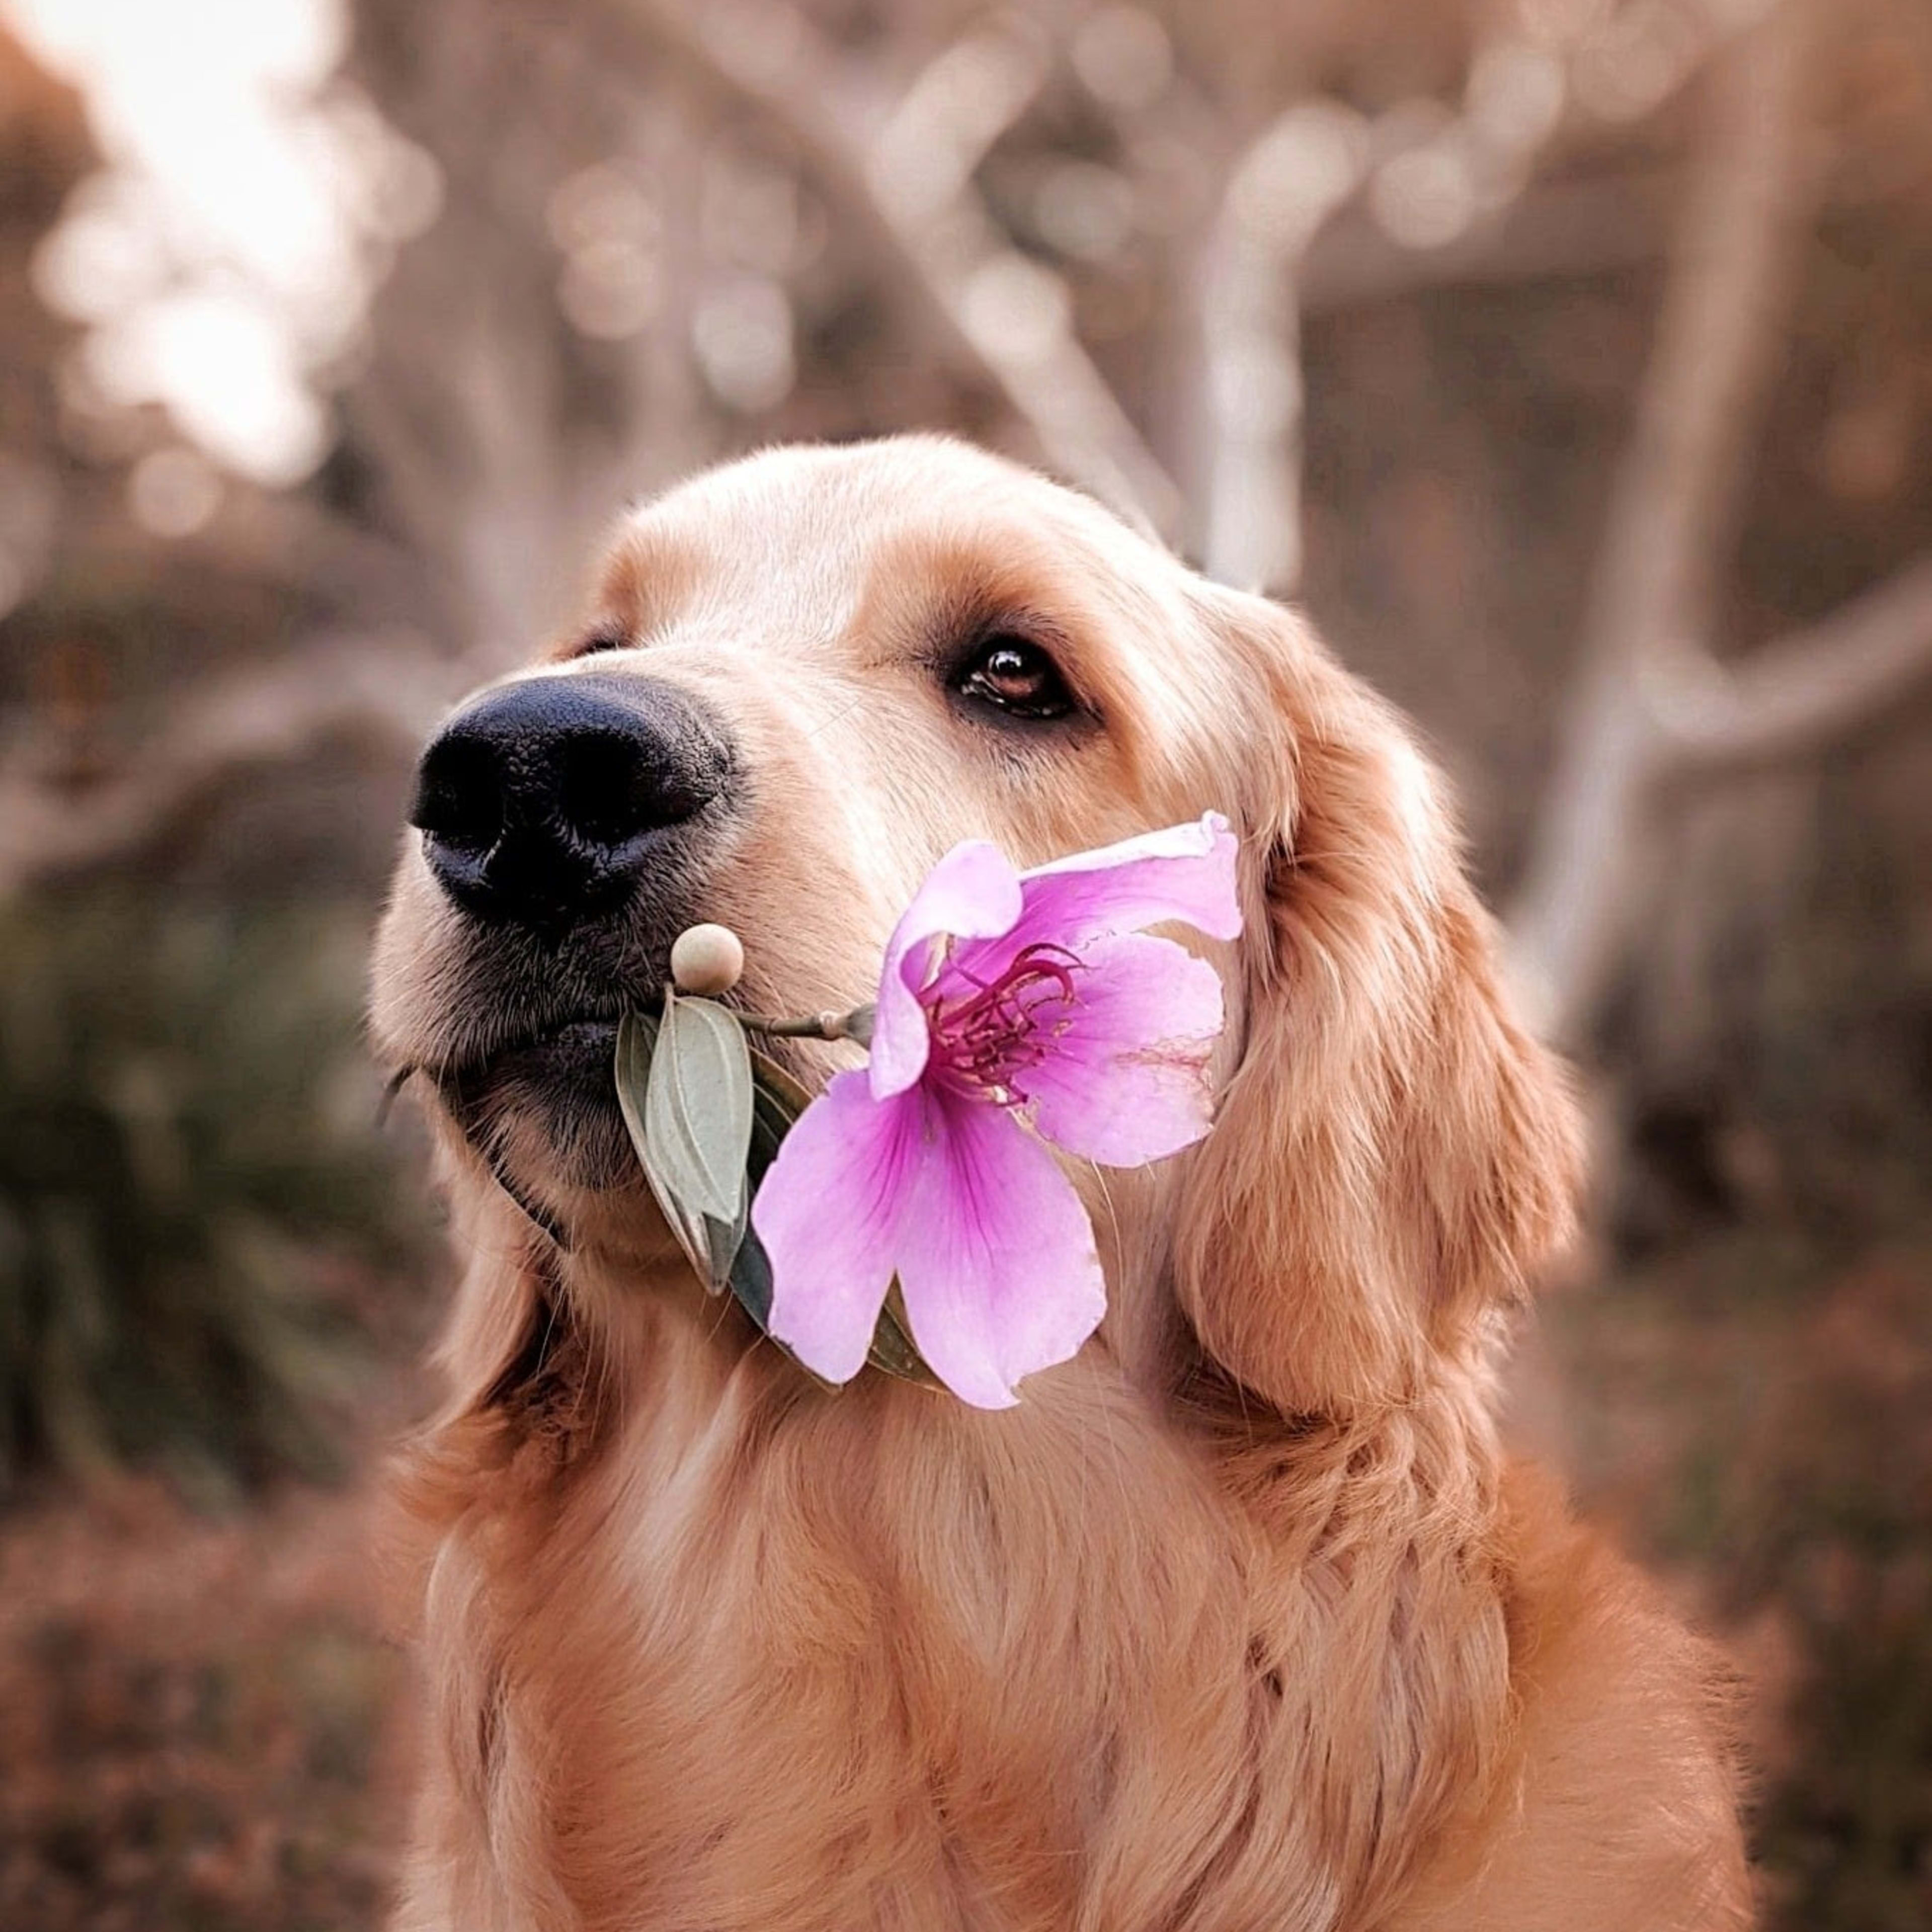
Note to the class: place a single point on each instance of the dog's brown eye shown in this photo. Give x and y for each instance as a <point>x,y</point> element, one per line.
<point>609,635</point>
<point>1015,675</point>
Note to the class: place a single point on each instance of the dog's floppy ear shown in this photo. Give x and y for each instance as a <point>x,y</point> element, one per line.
<point>1393,1154</point>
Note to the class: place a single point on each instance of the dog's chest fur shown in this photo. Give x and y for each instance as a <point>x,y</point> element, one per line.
<point>758,1656</point>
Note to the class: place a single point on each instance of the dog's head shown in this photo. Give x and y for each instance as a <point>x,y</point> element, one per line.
<point>804,677</point>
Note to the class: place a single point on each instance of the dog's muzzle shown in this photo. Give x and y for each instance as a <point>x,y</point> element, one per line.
<point>543,804</point>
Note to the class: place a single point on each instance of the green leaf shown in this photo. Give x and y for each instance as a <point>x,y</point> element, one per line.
<point>698,1107</point>
<point>728,1253</point>
<point>893,1349</point>
<point>723,1239</point>
<point>782,1100</point>
<point>777,1101</point>
<point>637,1045</point>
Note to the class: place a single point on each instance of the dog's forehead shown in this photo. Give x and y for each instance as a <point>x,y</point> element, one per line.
<point>813,494</point>
<point>808,530</point>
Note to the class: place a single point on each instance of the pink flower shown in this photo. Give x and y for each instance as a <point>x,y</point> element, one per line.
<point>1014,1009</point>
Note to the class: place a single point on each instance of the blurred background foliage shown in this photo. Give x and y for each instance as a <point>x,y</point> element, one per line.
<point>192,1208</point>
<point>1570,361</point>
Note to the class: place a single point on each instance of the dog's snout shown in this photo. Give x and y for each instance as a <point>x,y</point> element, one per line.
<point>544,802</point>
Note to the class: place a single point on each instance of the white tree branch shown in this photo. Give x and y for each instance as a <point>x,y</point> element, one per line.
<point>1276,255</point>
<point>386,695</point>
<point>1804,693</point>
<point>1279,195</point>
<point>989,310</point>
<point>1671,508</point>
<point>1553,229</point>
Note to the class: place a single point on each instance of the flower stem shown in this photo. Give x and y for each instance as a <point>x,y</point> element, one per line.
<point>856,1025</point>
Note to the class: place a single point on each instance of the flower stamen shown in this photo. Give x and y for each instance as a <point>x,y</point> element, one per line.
<point>987,1039</point>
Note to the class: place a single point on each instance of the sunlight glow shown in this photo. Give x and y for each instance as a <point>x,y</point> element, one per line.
<point>225,255</point>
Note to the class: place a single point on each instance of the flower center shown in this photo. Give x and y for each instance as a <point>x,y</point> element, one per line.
<point>985,1040</point>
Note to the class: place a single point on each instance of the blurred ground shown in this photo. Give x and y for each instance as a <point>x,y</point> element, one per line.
<point>206,1727</point>
<point>1755,1428</point>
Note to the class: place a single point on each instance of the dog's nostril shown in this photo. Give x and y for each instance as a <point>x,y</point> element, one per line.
<point>606,791</point>
<point>460,795</point>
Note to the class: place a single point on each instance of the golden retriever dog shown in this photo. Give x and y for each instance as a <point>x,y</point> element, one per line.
<point>1242,1619</point>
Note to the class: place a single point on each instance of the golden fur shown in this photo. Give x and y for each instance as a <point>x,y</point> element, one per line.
<point>1242,1619</point>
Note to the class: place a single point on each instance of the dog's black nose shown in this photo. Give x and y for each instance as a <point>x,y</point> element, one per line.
<point>542,802</point>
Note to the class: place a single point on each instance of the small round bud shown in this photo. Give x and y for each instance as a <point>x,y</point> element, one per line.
<point>706,960</point>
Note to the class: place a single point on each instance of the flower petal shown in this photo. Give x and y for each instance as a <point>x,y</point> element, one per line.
<point>829,1212</point>
<point>972,893</point>
<point>996,1254</point>
<point>1124,1080</point>
<point>1185,872</point>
